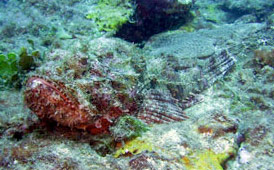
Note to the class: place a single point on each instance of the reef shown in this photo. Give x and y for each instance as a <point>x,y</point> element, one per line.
<point>197,97</point>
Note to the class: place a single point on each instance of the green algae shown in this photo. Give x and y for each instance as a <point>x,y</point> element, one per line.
<point>111,15</point>
<point>13,65</point>
<point>26,60</point>
<point>8,67</point>
<point>128,127</point>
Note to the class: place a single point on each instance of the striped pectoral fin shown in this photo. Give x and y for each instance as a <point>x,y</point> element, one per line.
<point>218,67</point>
<point>159,108</point>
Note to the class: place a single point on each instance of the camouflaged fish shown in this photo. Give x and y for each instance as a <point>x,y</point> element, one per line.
<point>90,89</point>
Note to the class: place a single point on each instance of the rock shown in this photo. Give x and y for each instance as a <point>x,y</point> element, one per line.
<point>247,6</point>
<point>260,7</point>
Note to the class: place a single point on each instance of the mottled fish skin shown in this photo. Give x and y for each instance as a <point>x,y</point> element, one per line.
<point>49,100</point>
<point>90,92</point>
<point>83,91</point>
<point>169,93</point>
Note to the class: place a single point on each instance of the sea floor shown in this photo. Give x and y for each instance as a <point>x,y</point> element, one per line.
<point>232,127</point>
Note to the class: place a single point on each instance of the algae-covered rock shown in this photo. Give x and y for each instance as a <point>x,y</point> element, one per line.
<point>248,6</point>
<point>265,56</point>
<point>260,9</point>
<point>204,160</point>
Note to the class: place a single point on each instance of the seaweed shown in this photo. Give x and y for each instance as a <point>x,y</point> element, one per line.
<point>13,65</point>
<point>8,67</point>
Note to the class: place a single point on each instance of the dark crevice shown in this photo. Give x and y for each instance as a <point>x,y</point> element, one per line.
<point>153,17</point>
